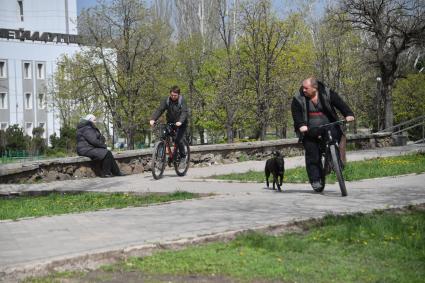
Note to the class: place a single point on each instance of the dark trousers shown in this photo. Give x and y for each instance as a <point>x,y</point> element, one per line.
<point>109,165</point>
<point>181,131</point>
<point>314,146</point>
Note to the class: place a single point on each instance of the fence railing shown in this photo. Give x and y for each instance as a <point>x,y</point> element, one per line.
<point>10,156</point>
<point>404,127</point>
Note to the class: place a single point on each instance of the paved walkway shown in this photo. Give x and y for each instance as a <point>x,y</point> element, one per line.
<point>37,244</point>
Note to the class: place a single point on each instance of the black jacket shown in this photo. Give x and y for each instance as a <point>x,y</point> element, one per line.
<point>175,112</point>
<point>90,141</point>
<point>330,101</point>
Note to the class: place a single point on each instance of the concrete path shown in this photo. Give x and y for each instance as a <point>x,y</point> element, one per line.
<point>34,245</point>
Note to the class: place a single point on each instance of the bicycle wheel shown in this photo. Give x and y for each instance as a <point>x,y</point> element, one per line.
<point>181,165</point>
<point>158,160</point>
<point>336,163</point>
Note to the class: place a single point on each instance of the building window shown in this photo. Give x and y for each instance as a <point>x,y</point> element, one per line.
<point>27,70</point>
<point>28,101</point>
<point>21,10</point>
<point>43,125</point>
<point>3,73</point>
<point>28,128</point>
<point>40,71</point>
<point>3,100</point>
<point>3,126</point>
<point>41,101</point>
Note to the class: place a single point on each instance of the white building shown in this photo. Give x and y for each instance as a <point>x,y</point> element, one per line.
<point>33,35</point>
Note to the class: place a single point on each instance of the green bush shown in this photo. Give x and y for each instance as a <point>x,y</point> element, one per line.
<point>38,143</point>
<point>50,152</point>
<point>409,101</point>
<point>15,138</point>
<point>66,142</point>
<point>3,142</point>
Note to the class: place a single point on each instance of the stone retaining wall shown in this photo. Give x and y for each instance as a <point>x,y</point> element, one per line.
<point>138,161</point>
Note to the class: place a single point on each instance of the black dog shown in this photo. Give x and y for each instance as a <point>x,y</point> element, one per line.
<point>275,166</point>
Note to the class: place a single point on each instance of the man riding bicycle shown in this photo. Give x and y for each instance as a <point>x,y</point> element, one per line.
<point>176,108</point>
<point>314,105</point>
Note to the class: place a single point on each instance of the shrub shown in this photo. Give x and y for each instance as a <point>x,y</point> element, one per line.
<point>67,141</point>
<point>15,138</point>
<point>3,142</point>
<point>38,143</point>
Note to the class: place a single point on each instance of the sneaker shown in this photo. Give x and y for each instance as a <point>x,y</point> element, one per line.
<point>317,186</point>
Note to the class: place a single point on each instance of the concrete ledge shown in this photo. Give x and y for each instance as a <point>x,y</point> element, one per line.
<point>138,161</point>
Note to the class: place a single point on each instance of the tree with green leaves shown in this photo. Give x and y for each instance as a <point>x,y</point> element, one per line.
<point>73,92</point>
<point>262,42</point>
<point>295,64</point>
<point>409,100</point>
<point>195,22</point>
<point>340,64</point>
<point>390,28</point>
<point>125,52</point>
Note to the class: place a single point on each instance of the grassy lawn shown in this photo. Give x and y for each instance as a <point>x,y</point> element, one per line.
<point>357,170</point>
<point>54,203</point>
<point>378,247</point>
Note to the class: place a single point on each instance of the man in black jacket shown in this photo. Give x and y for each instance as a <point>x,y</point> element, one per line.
<point>176,108</point>
<point>91,143</point>
<point>312,106</point>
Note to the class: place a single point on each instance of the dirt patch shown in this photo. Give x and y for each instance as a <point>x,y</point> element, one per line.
<point>135,276</point>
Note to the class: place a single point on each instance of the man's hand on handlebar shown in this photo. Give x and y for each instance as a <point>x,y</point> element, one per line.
<point>349,118</point>
<point>303,129</point>
<point>152,122</point>
<point>178,124</point>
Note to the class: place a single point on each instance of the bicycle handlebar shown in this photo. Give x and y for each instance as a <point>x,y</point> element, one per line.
<point>339,122</point>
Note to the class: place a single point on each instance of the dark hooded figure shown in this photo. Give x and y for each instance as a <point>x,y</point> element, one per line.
<point>91,143</point>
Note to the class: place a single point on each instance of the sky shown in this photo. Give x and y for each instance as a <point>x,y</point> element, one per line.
<point>280,5</point>
<point>81,4</point>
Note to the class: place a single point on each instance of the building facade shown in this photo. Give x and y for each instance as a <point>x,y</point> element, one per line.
<point>33,35</point>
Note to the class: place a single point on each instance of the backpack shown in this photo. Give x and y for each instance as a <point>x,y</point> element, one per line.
<point>179,102</point>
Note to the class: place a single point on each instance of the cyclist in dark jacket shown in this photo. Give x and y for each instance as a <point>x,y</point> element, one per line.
<point>312,106</point>
<point>91,143</point>
<point>177,112</point>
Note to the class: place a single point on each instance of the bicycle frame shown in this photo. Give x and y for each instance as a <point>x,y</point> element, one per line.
<point>330,152</point>
<point>328,140</point>
<point>168,153</point>
<point>168,149</point>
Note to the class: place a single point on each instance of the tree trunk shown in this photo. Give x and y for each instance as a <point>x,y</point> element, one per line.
<point>229,133</point>
<point>201,132</point>
<point>388,115</point>
<point>130,139</point>
<point>388,108</point>
<point>263,131</point>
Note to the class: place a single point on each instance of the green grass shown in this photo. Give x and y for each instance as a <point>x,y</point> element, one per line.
<point>384,246</point>
<point>357,170</point>
<point>378,247</point>
<point>61,203</point>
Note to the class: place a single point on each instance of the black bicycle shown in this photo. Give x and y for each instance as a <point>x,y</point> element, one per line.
<point>166,151</point>
<point>331,159</point>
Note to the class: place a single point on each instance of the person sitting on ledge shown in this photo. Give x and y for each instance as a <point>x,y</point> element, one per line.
<point>91,143</point>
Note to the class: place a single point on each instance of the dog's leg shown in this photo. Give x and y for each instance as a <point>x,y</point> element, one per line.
<point>267,178</point>
<point>277,182</point>
<point>274,182</point>
<point>281,181</point>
